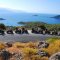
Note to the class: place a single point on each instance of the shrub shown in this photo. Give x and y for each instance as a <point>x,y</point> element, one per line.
<point>36,57</point>
<point>53,39</point>
<point>2,26</point>
<point>30,51</point>
<point>53,47</point>
<point>13,50</point>
<point>19,45</point>
<point>44,58</point>
<point>31,45</point>
<point>2,46</point>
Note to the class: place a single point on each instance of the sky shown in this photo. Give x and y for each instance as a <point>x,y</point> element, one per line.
<point>33,6</point>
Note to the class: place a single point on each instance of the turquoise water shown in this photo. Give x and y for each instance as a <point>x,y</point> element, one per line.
<point>13,18</point>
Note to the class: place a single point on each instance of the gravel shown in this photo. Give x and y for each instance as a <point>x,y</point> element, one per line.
<point>24,37</point>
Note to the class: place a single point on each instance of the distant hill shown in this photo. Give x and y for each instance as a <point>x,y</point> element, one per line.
<point>2,19</point>
<point>57,17</point>
<point>33,24</point>
<point>35,15</point>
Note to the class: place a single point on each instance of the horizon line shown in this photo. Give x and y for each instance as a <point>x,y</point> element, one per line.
<point>26,11</point>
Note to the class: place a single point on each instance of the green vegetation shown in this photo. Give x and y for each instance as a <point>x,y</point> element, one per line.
<point>41,25</point>
<point>53,27</point>
<point>2,26</point>
<point>31,24</point>
<point>51,40</point>
<point>54,46</point>
<point>36,24</point>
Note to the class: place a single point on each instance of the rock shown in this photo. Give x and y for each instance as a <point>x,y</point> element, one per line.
<point>59,33</point>
<point>55,56</point>
<point>43,44</point>
<point>16,53</point>
<point>44,32</point>
<point>17,56</point>
<point>51,32</point>
<point>8,44</point>
<point>43,53</point>
<point>10,31</point>
<point>5,55</point>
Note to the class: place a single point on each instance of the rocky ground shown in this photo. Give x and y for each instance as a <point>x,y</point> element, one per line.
<point>38,50</point>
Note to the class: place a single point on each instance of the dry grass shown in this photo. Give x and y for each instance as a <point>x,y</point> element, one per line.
<point>2,46</point>
<point>53,47</point>
<point>29,50</point>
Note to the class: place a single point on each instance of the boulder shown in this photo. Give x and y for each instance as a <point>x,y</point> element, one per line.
<point>8,44</point>
<point>5,55</point>
<point>43,44</point>
<point>55,56</point>
<point>43,53</point>
<point>10,32</point>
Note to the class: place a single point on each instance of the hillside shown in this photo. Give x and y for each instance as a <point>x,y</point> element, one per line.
<point>57,17</point>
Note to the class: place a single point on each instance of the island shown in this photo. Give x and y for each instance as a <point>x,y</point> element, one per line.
<point>56,17</point>
<point>2,19</point>
<point>35,15</point>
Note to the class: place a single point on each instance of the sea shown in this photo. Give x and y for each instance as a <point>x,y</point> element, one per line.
<point>12,19</point>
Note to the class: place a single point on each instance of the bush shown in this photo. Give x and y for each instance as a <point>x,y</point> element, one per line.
<point>35,57</point>
<point>44,58</point>
<point>19,45</point>
<point>53,47</point>
<point>2,46</point>
<point>2,26</point>
<point>31,45</point>
<point>53,39</point>
<point>30,51</point>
